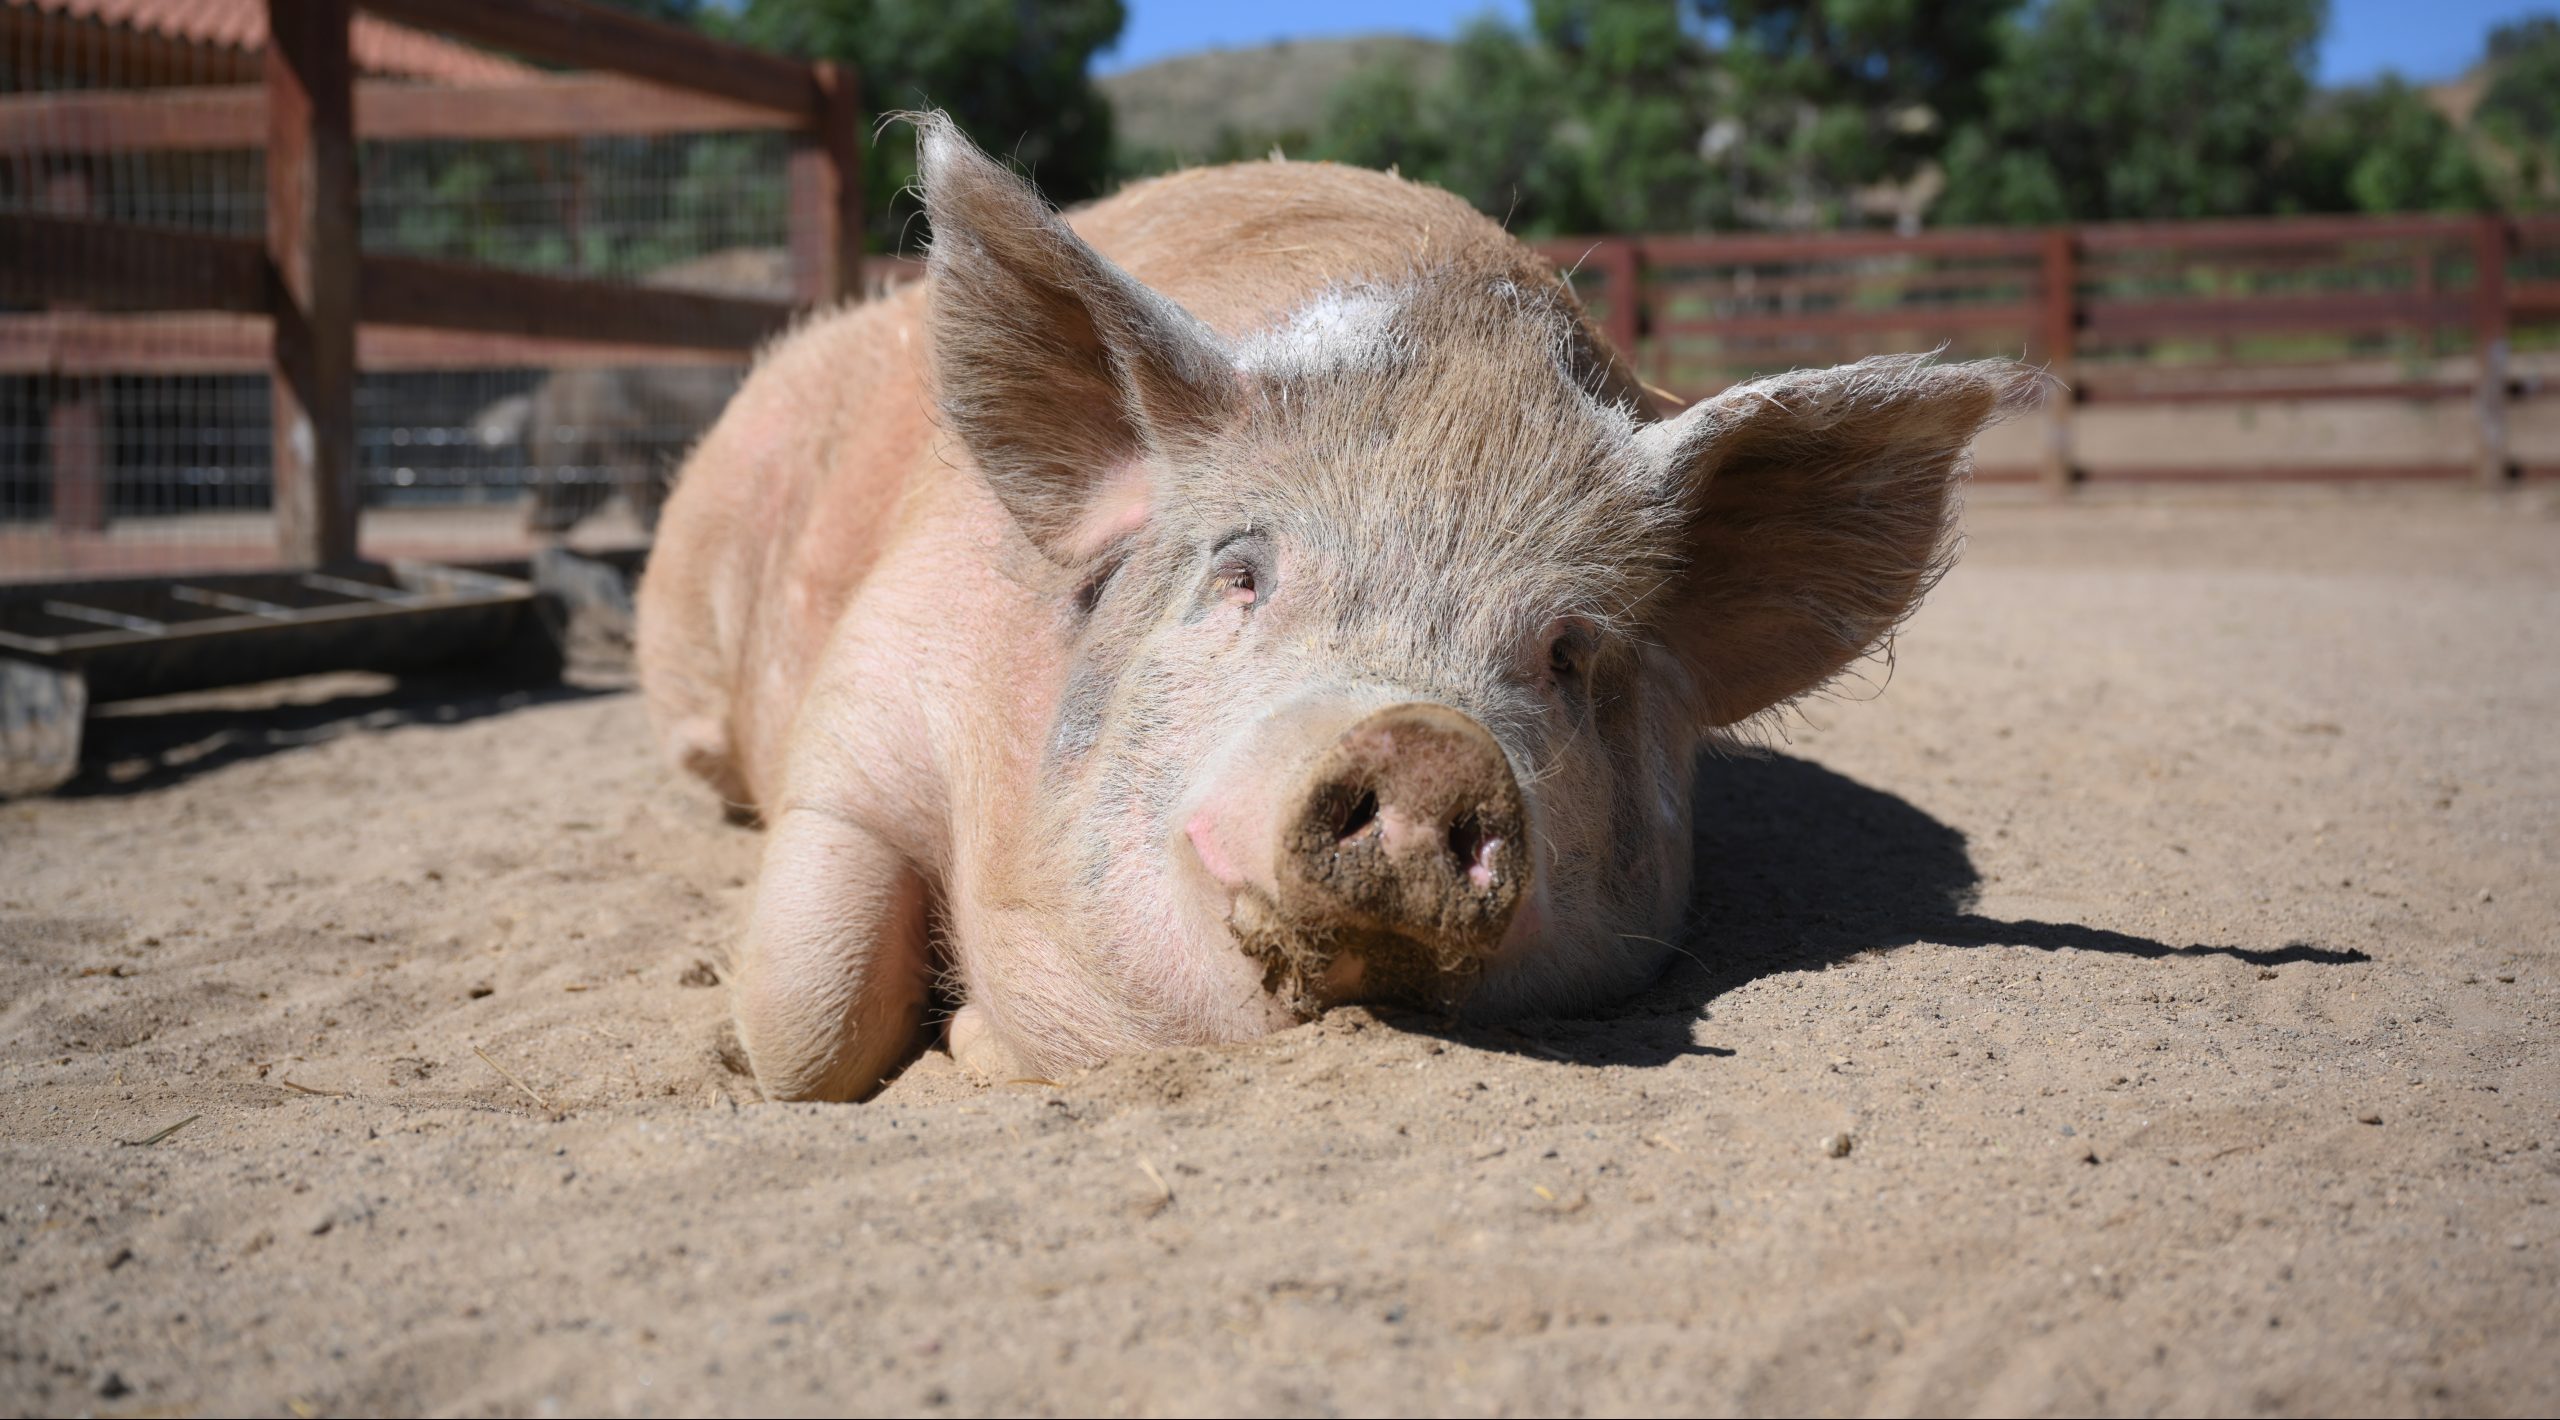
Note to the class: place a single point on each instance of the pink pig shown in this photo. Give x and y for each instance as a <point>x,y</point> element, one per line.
<point>1262,592</point>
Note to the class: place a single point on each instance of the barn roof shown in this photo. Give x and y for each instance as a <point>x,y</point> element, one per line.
<point>240,26</point>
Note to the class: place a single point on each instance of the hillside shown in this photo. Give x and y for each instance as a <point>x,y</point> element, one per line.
<point>1180,108</point>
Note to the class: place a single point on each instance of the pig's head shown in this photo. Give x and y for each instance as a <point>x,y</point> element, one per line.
<point>1389,641</point>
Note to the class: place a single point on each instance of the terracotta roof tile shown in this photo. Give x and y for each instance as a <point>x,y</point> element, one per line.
<point>380,47</point>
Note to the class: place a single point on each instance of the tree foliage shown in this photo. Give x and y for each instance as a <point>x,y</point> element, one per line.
<point>1589,120</point>
<point>1634,114</point>
<point>1821,99</point>
<point>1487,131</point>
<point>1014,75</point>
<point>2103,109</point>
<point>1634,77</point>
<point>1625,115</point>
<point>2520,113</point>
<point>2381,147</point>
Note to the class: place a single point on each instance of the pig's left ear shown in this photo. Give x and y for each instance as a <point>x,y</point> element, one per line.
<point>1058,369</point>
<point>1819,508</point>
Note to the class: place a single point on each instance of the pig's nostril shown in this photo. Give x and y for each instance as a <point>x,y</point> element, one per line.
<point>1358,814</point>
<point>1467,846</point>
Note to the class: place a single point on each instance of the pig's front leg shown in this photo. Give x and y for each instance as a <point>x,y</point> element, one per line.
<point>830,983</point>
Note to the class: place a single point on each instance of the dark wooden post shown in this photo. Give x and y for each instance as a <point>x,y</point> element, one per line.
<point>75,434</point>
<point>1623,259</point>
<point>2058,339</point>
<point>2489,338</point>
<point>311,244</point>
<point>826,192</point>
<point>75,447</point>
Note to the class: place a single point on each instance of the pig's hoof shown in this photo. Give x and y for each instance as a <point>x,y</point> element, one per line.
<point>974,1047</point>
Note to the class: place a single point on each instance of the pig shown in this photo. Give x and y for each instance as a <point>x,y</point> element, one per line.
<point>586,433</point>
<point>1260,591</point>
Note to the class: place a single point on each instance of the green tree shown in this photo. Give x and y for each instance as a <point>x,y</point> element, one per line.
<point>2381,147</point>
<point>2101,109</point>
<point>2520,112</point>
<point>1491,130</point>
<point>1012,74</point>
<point>1820,98</point>
<point>2525,93</point>
<point>1377,118</point>
<point>1588,121</point>
<point>1624,115</point>
<point>1636,78</point>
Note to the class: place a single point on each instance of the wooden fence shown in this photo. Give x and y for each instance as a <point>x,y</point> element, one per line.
<point>2403,309</point>
<point>2424,313</point>
<point>309,305</point>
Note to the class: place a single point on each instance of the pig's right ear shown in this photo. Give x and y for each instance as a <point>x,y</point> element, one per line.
<point>1060,371</point>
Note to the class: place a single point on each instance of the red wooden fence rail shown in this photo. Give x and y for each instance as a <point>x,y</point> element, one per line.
<point>2062,295</point>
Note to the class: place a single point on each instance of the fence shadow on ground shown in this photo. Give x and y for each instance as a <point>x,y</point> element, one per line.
<point>145,745</point>
<point>1798,868</point>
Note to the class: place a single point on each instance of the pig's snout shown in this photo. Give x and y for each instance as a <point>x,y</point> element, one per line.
<point>1402,856</point>
<point>1409,822</point>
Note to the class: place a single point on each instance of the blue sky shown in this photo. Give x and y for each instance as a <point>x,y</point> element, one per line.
<point>2422,39</point>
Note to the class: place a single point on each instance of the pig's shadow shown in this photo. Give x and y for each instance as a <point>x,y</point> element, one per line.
<point>1798,868</point>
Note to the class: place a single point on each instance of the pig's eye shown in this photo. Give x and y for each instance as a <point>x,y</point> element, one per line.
<point>1240,570</point>
<point>1564,657</point>
<point>1238,584</point>
<point>1089,594</point>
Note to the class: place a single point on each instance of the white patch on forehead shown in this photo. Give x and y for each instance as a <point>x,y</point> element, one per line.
<point>1344,329</point>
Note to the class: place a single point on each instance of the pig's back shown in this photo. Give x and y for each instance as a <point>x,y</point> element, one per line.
<point>830,449</point>
<point>1242,244</point>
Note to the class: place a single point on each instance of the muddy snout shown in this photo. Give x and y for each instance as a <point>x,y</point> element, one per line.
<point>1402,855</point>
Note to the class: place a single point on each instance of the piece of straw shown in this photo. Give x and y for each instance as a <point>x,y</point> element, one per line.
<point>149,1140</point>
<point>509,1076</point>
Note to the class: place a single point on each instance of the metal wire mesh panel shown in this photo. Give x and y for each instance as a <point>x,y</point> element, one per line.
<point>112,420</point>
<point>467,460</point>
<point>139,441</point>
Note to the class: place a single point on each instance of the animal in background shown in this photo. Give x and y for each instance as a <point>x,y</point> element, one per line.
<point>586,434</point>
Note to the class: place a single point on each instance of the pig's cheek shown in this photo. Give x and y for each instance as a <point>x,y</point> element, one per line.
<point>1528,934</point>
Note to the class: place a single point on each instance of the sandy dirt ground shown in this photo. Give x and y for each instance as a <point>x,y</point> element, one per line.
<point>2174,948</point>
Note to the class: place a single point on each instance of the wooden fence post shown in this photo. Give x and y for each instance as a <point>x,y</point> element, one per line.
<point>76,450</point>
<point>311,246</point>
<point>826,192</point>
<point>1623,259</point>
<point>75,426</point>
<point>2058,333</point>
<point>2489,338</point>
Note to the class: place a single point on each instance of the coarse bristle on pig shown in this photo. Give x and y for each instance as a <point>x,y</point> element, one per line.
<point>1257,592</point>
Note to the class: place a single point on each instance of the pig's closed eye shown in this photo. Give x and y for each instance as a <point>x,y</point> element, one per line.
<point>1569,651</point>
<point>1240,570</point>
<point>1089,594</point>
<point>1239,584</point>
<point>1565,656</point>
